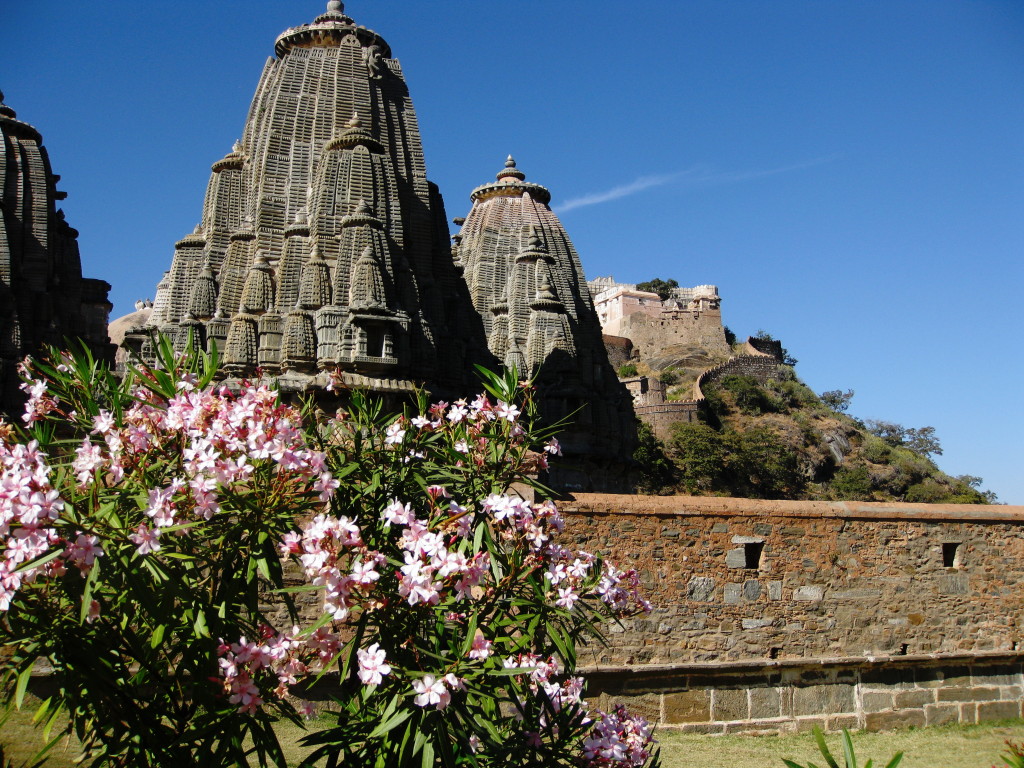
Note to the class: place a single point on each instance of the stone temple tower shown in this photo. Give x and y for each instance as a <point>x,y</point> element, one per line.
<point>43,297</point>
<point>526,282</point>
<point>322,246</point>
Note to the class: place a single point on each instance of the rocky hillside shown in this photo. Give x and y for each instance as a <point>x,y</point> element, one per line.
<point>779,440</point>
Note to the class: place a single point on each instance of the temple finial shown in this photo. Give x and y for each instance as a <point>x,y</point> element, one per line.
<point>510,162</point>
<point>335,6</point>
<point>355,121</point>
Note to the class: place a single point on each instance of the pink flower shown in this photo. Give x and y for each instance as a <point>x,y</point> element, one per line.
<point>506,411</point>
<point>147,540</point>
<point>372,666</point>
<point>481,647</point>
<point>429,691</point>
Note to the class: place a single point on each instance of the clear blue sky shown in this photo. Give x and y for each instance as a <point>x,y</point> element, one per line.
<point>849,173</point>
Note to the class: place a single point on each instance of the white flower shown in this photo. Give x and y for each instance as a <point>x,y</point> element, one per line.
<point>372,666</point>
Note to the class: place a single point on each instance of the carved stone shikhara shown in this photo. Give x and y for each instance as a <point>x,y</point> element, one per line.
<point>43,297</point>
<point>322,247</point>
<point>323,253</point>
<point>526,282</point>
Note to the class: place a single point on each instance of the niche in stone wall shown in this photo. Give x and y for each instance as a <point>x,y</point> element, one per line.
<point>747,555</point>
<point>952,552</point>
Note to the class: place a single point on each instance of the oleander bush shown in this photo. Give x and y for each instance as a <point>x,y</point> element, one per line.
<point>149,523</point>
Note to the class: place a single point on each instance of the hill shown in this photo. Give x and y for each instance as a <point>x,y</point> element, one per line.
<point>779,440</point>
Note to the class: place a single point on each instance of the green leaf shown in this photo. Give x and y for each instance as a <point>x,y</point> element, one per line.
<point>19,691</point>
<point>428,755</point>
<point>851,759</point>
<point>199,626</point>
<point>158,635</point>
<point>896,759</point>
<point>390,724</point>
<point>819,737</point>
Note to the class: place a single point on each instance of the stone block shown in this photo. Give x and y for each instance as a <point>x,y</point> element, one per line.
<point>998,710</point>
<point>747,540</point>
<point>968,694</point>
<point>763,529</point>
<point>687,707</point>
<point>808,724</point>
<point>732,593</point>
<point>888,678</point>
<point>968,713</point>
<point>720,528</point>
<point>838,722</point>
<point>708,729</point>
<point>854,595</point>
<point>954,584</point>
<point>888,721</point>
<point>941,714</point>
<point>774,590</point>
<point>765,703</point>
<point>756,623</point>
<point>823,700</point>
<point>751,589</point>
<point>1003,675</point>
<point>736,558</point>
<point>876,701</point>
<point>729,704</point>
<point>914,699</point>
<point>700,588</point>
<point>809,593</point>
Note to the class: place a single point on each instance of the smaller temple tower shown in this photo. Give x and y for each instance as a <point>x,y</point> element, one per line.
<point>43,297</point>
<point>527,283</point>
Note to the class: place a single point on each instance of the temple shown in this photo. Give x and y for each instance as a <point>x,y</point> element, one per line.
<point>323,254</point>
<point>526,283</point>
<point>43,297</point>
<point>322,248</point>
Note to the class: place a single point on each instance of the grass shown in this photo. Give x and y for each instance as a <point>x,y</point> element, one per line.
<point>961,746</point>
<point>970,746</point>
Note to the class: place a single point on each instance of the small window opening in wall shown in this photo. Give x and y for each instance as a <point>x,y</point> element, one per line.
<point>951,554</point>
<point>773,653</point>
<point>903,650</point>
<point>752,554</point>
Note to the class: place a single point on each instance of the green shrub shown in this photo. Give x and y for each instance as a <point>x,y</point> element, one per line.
<point>851,484</point>
<point>700,454</point>
<point>669,377</point>
<point>627,371</point>
<point>751,398</point>
<point>766,467</point>
<point>658,474</point>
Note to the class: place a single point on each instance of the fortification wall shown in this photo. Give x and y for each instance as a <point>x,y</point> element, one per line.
<point>779,615</point>
<point>651,334</point>
<point>660,417</point>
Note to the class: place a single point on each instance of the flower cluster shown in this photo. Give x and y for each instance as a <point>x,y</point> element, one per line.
<point>29,504</point>
<point>279,654</point>
<point>220,437</point>
<point>619,740</point>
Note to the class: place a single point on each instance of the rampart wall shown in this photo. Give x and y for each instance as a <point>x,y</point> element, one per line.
<point>651,334</point>
<point>777,615</point>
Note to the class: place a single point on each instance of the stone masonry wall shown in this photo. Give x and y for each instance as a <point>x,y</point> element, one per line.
<point>652,334</point>
<point>811,606</point>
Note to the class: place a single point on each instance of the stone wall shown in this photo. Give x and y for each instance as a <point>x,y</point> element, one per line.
<point>760,367</point>
<point>872,615</point>
<point>653,334</point>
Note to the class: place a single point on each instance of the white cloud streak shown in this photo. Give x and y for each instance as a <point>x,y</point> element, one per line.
<point>698,176</point>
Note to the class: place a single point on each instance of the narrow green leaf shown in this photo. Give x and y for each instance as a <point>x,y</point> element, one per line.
<point>848,755</point>
<point>819,737</point>
<point>158,635</point>
<point>390,724</point>
<point>428,755</point>
<point>19,691</point>
<point>896,760</point>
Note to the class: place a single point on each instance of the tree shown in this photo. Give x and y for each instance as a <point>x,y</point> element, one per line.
<point>922,441</point>
<point>661,287</point>
<point>700,453</point>
<point>658,474</point>
<point>837,400</point>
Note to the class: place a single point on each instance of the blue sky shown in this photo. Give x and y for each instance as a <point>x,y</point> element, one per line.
<point>850,174</point>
